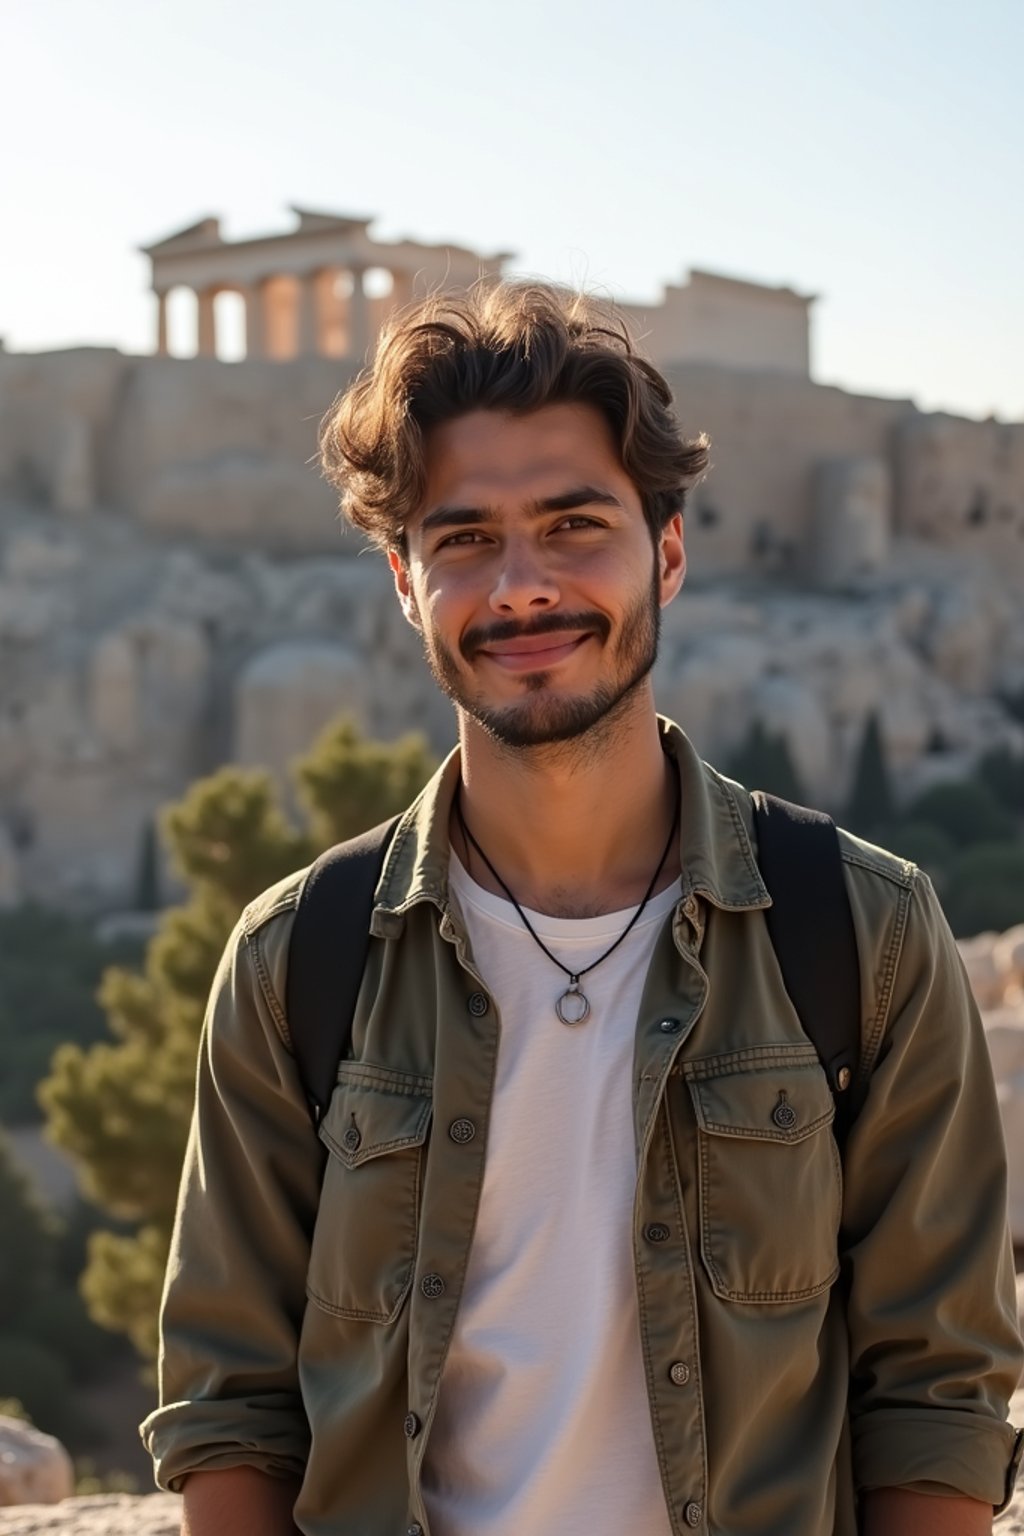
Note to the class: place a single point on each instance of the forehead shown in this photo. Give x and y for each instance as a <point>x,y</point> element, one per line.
<point>485,455</point>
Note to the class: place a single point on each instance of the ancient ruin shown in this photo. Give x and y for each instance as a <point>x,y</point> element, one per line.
<point>305,291</point>
<point>175,592</point>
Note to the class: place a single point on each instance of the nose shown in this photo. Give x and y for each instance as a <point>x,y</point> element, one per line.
<point>523,583</point>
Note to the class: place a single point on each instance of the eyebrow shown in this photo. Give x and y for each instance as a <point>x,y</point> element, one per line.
<point>565,501</point>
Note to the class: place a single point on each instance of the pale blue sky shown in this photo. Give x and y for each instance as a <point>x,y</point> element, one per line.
<point>871,154</point>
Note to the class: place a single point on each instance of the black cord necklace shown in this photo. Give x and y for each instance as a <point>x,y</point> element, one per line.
<point>573,1006</point>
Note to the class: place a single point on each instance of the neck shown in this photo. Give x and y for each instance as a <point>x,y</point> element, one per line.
<point>573,829</point>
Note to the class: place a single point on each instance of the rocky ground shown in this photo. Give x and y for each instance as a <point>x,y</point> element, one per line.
<point>159,1514</point>
<point>104,1514</point>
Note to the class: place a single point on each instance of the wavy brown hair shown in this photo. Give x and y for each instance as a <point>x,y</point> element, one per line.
<point>508,346</point>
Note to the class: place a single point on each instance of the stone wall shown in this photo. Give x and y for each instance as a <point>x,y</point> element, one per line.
<point>223,454</point>
<point>175,592</point>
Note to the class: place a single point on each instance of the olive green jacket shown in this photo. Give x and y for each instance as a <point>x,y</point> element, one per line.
<point>305,1325</point>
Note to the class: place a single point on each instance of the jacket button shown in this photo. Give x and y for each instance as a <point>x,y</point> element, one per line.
<point>693,1514</point>
<point>690,907</point>
<point>668,1026</point>
<point>351,1139</point>
<point>679,1373</point>
<point>432,1285</point>
<point>462,1131</point>
<point>784,1115</point>
<point>478,1004</point>
<point>657,1232</point>
<point>415,1529</point>
<point>412,1426</point>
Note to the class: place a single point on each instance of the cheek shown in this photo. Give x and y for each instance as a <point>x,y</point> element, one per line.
<point>450,601</point>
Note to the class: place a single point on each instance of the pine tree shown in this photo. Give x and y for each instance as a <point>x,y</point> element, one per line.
<point>121,1109</point>
<point>872,804</point>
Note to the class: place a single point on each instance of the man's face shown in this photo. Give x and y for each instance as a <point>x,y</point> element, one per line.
<point>531,572</point>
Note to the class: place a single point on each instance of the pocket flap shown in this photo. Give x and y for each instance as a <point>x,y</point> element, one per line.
<point>373,1111</point>
<point>766,1103</point>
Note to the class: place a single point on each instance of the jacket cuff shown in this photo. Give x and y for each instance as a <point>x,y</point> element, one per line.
<point>964,1452</point>
<point>269,1433</point>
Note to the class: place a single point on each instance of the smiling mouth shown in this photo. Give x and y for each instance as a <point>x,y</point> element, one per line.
<point>533,653</point>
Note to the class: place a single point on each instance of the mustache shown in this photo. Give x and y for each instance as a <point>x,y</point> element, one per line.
<point>481,637</point>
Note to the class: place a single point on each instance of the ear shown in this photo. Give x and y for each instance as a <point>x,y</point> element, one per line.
<point>403,586</point>
<point>671,559</point>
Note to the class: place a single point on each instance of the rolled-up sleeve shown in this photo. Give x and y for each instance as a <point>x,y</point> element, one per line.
<point>235,1289</point>
<point>935,1348</point>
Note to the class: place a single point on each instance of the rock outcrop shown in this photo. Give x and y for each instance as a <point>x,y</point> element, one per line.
<point>34,1468</point>
<point>131,664</point>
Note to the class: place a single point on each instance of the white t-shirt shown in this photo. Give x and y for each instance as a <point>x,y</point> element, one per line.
<point>543,1425</point>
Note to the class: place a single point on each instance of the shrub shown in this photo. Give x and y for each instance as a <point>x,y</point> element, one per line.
<point>34,1376</point>
<point>967,812</point>
<point>27,1249</point>
<point>1003,773</point>
<point>985,890</point>
<point>50,969</point>
<point>59,1322</point>
<point>923,844</point>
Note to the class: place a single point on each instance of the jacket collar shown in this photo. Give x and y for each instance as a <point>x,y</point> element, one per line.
<point>715,846</point>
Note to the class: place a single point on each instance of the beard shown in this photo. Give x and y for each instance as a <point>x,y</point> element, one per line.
<point>542,718</point>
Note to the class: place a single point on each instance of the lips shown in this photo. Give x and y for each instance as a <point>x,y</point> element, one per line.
<point>527,652</point>
<point>526,645</point>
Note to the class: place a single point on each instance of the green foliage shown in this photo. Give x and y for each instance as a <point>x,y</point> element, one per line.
<point>349,784</point>
<point>121,1108</point>
<point>923,844</point>
<point>871,799</point>
<point>50,968</point>
<point>230,839</point>
<point>764,762</point>
<point>89,1482</point>
<point>985,889</point>
<point>1003,773</point>
<point>967,812</point>
<point>57,1318</point>
<point>28,1248</point>
<point>122,1280</point>
<point>33,1375</point>
<point>47,1341</point>
<point>966,838</point>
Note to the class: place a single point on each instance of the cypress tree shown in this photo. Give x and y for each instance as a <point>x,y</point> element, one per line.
<point>871,804</point>
<point>764,762</point>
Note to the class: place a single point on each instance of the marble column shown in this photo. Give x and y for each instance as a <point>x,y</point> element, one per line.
<point>401,289</point>
<point>256,326</point>
<point>206,324</point>
<point>358,319</point>
<point>162,347</point>
<point>308,337</point>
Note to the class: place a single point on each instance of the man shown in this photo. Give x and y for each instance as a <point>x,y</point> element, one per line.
<point>572,1264</point>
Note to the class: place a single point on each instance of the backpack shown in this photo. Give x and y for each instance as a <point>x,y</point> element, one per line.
<point>799,859</point>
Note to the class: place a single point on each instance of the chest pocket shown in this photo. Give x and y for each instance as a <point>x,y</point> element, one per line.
<point>364,1243</point>
<point>770,1179</point>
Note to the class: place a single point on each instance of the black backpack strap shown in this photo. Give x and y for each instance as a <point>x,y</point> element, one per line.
<point>326,955</point>
<point>811,928</point>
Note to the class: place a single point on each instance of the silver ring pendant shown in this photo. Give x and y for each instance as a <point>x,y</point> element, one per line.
<point>572,1007</point>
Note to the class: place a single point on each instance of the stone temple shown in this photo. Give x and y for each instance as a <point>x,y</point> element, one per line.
<point>175,591</point>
